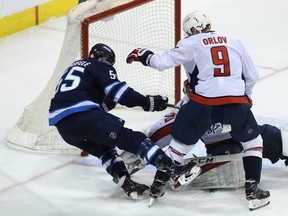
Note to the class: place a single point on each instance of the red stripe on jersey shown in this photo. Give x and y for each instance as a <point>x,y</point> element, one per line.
<point>216,100</point>
<point>162,132</point>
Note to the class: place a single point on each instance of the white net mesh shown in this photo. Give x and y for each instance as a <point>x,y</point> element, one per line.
<point>151,30</point>
<point>150,25</point>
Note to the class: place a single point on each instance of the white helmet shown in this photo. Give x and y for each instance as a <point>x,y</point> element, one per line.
<point>197,19</point>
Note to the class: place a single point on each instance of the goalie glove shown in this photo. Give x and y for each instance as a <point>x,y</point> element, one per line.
<point>155,103</point>
<point>141,55</point>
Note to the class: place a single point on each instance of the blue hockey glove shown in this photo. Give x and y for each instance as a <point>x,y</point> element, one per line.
<point>155,103</point>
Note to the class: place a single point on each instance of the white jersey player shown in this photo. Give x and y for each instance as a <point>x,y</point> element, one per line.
<point>221,77</point>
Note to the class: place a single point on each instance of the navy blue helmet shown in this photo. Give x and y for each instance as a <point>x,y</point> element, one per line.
<point>103,53</point>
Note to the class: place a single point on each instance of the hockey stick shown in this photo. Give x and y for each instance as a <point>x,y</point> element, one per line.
<point>172,106</point>
<point>119,185</point>
<point>136,169</point>
<point>215,159</point>
<point>204,160</point>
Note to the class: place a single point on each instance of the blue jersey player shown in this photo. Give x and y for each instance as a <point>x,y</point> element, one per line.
<point>87,90</point>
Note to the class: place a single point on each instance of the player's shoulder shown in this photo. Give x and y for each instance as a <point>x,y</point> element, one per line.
<point>98,65</point>
<point>229,36</point>
<point>81,63</point>
<point>195,39</point>
<point>187,42</point>
<point>92,64</point>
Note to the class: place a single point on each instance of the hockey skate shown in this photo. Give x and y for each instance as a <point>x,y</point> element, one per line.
<point>158,186</point>
<point>133,189</point>
<point>163,175</point>
<point>256,197</point>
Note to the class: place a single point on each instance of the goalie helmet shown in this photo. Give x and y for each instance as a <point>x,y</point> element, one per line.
<point>198,20</point>
<point>104,52</point>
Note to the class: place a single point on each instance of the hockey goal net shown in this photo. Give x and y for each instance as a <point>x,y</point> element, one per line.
<point>123,25</point>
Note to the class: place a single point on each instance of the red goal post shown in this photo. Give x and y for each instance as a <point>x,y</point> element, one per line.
<point>123,25</point>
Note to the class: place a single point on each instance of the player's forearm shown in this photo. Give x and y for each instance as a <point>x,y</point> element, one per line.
<point>132,98</point>
<point>166,59</point>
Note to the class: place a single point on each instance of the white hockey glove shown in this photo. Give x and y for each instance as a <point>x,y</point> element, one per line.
<point>155,103</point>
<point>141,55</point>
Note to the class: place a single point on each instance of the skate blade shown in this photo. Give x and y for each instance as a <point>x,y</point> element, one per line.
<point>151,201</point>
<point>256,203</point>
<point>135,196</point>
<point>115,193</point>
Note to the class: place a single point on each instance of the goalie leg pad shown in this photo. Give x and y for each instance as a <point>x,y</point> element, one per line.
<point>218,175</point>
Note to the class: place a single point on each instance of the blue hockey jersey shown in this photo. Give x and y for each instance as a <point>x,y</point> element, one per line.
<point>86,85</point>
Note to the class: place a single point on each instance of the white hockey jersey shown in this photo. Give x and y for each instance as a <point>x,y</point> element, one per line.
<point>218,67</point>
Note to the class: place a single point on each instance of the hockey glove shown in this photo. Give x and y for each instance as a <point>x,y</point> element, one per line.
<point>155,103</point>
<point>139,54</point>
